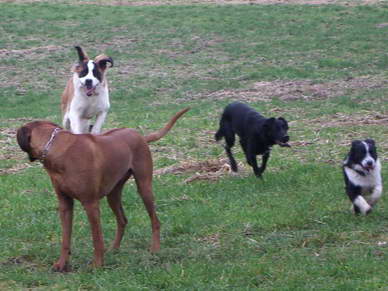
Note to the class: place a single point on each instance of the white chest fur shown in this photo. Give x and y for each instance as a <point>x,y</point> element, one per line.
<point>89,106</point>
<point>371,180</point>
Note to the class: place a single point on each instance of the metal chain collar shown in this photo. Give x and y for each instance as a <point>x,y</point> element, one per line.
<point>48,145</point>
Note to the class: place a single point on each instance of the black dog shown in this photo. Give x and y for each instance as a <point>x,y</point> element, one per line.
<point>257,134</point>
<point>362,173</point>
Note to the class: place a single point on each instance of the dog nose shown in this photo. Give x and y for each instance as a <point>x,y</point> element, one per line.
<point>286,138</point>
<point>88,83</point>
<point>369,163</point>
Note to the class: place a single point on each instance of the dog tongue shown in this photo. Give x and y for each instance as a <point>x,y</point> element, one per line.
<point>89,91</point>
<point>283,144</point>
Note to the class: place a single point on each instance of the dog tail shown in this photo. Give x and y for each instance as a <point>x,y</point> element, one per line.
<point>154,136</point>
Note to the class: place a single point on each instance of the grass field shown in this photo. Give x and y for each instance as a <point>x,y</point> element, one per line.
<point>322,67</point>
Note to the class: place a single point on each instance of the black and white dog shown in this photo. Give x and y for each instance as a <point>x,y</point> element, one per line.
<point>362,173</point>
<point>257,134</point>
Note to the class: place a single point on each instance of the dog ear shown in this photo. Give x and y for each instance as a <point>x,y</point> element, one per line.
<point>83,57</point>
<point>284,121</point>
<point>370,142</point>
<point>102,61</point>
<point>23,137</point>
<point>354,146</point>
<point>355,143</point>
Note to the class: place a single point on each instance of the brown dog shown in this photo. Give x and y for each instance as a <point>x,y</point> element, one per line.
<point>87,167</point>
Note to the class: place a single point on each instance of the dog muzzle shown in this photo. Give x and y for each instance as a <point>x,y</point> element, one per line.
<point>284,142</point>
<point>368,166</point>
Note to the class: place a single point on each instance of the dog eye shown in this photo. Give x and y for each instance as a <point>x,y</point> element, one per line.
<point>83,73</point>
<point>96,73</point>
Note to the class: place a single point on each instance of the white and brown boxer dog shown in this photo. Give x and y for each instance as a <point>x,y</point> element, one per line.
<point>86,94</point>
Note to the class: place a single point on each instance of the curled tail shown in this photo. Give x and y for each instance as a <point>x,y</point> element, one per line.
<point>154,136</point>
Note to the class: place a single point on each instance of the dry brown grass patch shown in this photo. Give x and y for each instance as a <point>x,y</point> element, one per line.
<point>217,2</point>
<point>210,170</point>
<point>298,90</point>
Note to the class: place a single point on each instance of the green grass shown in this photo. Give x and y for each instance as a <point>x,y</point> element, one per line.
<point>290,231</point>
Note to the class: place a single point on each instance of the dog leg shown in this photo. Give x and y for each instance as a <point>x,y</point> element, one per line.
<point>264,162</point>
<point>252,159</point>
<point>144,187</point>
<point>93,212</point>
<point>244,147</point>
<point>376,194</point>
<point>66,122</point>
<point>233,163</point>
<point>360,205</point>
<point>230,138</point>
<point>79,125</point>
<point>99,122</point>
<point>66,206</point>
<point>253,162</point>
<point>115,203</point>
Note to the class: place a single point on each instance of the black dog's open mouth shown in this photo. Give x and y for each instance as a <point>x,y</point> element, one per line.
<point>283,144</point>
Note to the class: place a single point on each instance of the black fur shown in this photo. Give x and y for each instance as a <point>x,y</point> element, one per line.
<point>257,134</point>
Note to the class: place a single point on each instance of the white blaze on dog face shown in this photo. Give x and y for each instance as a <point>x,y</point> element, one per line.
<point>368,162</point>
<point>89,76</point>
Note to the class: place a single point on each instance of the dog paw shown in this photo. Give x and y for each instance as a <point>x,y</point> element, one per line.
<point>259,174</point>
<point>234,174</point>
<point>61,267</point>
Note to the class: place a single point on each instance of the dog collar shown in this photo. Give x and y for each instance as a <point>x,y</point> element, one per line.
<point>48,145</point>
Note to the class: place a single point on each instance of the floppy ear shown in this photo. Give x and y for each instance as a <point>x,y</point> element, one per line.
<point>370,142</point>
<point>83,57</point>
<point>284,121</point>
<point>354,145</point>
<point>102,61</point>
<point>23,137</point>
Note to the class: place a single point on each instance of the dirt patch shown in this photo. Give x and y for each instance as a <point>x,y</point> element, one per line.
<point>9,149</point>
<point>15,169</point>
<point>25,261</point>
<point>210,170</point>
<point>339,120</point>
<point>297,90</point>
<point>382,25</point>
<point>39,49</point>
<point>211,240</point>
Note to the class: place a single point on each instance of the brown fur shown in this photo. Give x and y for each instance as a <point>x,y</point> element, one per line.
<point>88,167</point>
<point>67,96</point>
